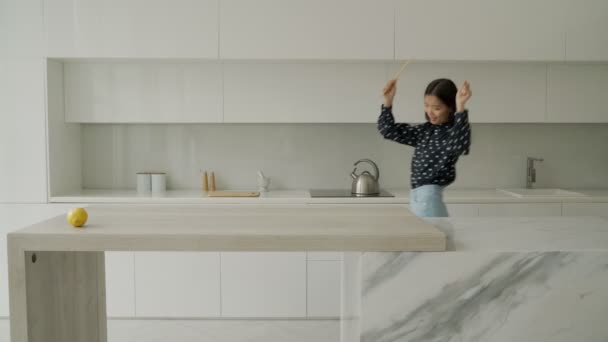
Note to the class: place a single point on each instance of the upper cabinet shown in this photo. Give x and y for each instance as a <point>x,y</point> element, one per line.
<point>142,92</point>
<point>21,28</point>
<point>132,28</point>
<point>307,29</point>
<point>475,30</point>
<point>587,30</point>
<point>480,29</point>
<point>502,92</point>
<point>576,93</point>
<point>302,92</point>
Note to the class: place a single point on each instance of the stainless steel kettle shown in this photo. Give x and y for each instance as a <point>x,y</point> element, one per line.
<point>365,184</point>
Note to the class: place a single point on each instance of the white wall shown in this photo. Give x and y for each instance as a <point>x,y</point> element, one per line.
<point>321,155</point>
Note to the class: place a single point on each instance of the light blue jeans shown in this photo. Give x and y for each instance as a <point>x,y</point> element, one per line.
<point>427,201</point>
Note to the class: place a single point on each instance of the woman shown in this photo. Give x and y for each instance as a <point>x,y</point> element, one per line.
<point>438,143</point>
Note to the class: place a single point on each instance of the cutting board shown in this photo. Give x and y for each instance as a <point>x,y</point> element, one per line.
<point>233,194</point>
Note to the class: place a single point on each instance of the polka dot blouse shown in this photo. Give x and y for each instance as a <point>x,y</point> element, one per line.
<point>437,147</point>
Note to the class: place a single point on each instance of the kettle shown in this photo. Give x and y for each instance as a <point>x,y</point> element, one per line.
<point>365,184</point>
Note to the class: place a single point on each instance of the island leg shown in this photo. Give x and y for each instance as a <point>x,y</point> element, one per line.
<point>57,296</point>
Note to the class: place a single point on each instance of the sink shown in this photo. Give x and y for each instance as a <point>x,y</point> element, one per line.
<point>541,193</point>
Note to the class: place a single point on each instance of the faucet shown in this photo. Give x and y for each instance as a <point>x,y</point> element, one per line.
<point>531,172</point>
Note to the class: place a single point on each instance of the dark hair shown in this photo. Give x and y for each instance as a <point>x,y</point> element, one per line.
<point>445,90</point>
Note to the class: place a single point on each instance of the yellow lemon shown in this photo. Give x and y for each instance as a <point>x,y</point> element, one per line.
<point>77,217</point>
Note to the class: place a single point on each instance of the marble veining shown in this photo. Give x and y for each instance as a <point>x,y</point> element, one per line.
<point>537,296</point>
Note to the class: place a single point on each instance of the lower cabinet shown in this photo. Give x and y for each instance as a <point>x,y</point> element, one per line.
<point>463,210</point>
<point>520,209</point>
<point>323,288</point>
<point>585,209</point>
<point>177,284</point>
<point>263,284</point>
<point>120,284</point>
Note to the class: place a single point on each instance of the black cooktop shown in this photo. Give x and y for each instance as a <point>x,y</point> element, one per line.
<point>344,193</point>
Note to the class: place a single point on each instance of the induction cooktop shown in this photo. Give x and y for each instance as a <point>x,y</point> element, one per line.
<point>344,193</point>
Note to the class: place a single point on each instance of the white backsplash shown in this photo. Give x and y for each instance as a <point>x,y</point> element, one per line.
<point>301,156</point>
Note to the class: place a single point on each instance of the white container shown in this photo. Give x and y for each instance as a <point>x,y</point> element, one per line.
<point>144,183</point>
<point>159,183</point>
<point>263,182</point>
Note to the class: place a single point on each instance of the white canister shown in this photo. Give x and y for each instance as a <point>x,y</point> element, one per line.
<point>144,183</point>
<point>159,182</point>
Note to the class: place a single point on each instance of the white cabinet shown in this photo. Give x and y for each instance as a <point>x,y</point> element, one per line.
<point>21,28</point>
<point>480,30</point>
<point>263,284</point>
<point>120,284</point>
<point>323,290</point>
<point>142,92</point>
<point>298,92</point>
<point>495,86</point>
<point>132,28</point>
<point>585,209</point>
<point>463,210</point>
<point>22,131</point>
<point>177,284</point>
<point>324,256</point>
<point>306,29</point>
<point>520,209</point>
<point>587,30</point>
<point>576,93</point>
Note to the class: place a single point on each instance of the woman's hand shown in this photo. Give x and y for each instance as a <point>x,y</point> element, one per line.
<point>462,96</point>
<point>389,92</point>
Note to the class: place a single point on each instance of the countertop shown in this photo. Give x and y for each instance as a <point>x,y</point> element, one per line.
<point>289,197</point>
<point>515,234</point>
<point>306,228</point>
<point>199,228</point>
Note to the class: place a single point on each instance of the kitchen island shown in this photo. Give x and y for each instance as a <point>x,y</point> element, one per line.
<point>57,272</point>
<point>500,279</point>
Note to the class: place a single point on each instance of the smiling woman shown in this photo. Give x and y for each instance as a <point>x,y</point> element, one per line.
<point>438,143</point>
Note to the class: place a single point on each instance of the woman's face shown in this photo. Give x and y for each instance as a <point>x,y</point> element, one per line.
<point>436,110</point>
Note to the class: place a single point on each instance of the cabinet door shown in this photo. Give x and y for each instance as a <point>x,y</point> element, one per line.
<point>177,284</point>
<point>264,284</point>
<point>324,256</point>
<point>586,30</point>
<point>480,30</point>
<point>494,85</point>
<point>21,29</point>
<point>463,210</point>
<point>22,131</point>
<point>306,29</point>
<point>120,284</point>
<point>323,290</point>
<point>142,92</point>
<point>299,92</point>
<point>520,209</point>
<point>585,209</point>
<point>576,93</point>
<point>132,28</point>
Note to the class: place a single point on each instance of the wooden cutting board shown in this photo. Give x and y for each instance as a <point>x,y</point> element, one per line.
<point>233,194</point>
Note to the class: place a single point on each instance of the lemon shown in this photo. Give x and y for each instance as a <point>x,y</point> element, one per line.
<point>77,217</point>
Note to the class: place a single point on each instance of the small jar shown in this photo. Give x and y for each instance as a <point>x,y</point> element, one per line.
<point>144,182</point>
<point>159,182</point>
